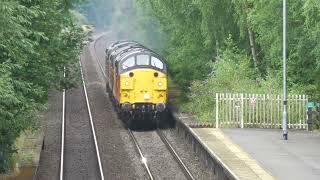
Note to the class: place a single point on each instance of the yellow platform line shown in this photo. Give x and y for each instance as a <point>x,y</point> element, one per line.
<point>242,155</point>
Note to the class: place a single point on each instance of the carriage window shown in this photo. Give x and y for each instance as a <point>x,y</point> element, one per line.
<point>156,63</point>
<point>128,63</point>
<point>143,60</point>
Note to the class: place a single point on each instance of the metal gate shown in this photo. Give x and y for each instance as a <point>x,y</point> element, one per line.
<point>259,110</point>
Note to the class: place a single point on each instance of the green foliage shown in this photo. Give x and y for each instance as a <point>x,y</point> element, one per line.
<point>197,28</point>
<point>37,39</point>
<point>231,73</point>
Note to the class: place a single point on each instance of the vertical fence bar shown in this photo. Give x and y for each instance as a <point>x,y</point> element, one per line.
<point>296,110</point>
<point>264,111</point>
<point>249,110</point>
<point>274,123</point>
<point>230,108</point>
<point>278,109</point>
<point>259,109</point>
<point>223,105</point>
<point>288,111</point>
<point>217,110</point>
<point>299,116</point>
<point>242,108</point>
<point>256,110</point>
<point>305,110</point>
<point>223,109</point>
<point>268,110</point>
<point>246,111</point>
<point>225,96</point>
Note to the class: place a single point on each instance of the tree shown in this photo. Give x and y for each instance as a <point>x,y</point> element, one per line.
<point>38,38</point>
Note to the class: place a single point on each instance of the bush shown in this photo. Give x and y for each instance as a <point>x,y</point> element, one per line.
<point>231,73</point>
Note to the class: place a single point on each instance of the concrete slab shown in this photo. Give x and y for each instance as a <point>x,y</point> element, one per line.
<point>241,164</point>
<point>295,159</point>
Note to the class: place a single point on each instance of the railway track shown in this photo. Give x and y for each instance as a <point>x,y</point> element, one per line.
<point>80,167</point>
<point>159,132</point>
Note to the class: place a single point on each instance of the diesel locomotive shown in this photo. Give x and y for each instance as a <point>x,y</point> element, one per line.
<point>137,80</point>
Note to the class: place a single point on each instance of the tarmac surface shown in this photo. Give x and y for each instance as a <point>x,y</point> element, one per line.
<point>298,158</point>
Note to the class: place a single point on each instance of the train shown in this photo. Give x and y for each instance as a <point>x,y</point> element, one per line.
<point>137,81</point>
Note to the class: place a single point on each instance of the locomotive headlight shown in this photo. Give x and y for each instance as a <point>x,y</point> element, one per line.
<point>146,96</point>
<point>126,83</point>
<point>159,84</point>
<point>160,107</point>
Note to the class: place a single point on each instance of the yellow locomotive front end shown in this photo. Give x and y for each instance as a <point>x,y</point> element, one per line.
<point>142,84</point>
<point>143,90</point>
<point>137,80</point>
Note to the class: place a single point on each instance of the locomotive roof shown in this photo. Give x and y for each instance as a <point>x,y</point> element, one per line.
<point>115,44</point>
<point>124,49</point>
<point>127,51</point>
<point>139,51</point>
<point>120,44</point>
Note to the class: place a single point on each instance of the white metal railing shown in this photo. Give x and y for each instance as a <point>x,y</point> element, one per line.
<point>259,110</point>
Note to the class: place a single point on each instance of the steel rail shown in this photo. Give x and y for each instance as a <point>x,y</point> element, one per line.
<point>63,127</point>
<point>175,155</point>
<point>143,159</point>
<point>96,57</point>
<point>91,121</point>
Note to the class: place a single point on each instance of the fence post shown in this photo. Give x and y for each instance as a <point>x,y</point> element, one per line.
<point>217,110</point>
<point>309,119</point>
<point>318,112</point>
<point>242,108</point>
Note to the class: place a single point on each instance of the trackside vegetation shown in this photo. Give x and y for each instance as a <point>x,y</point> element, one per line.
<point>221,45</point>
<point>211,46</point>
<point>236,46</point>
<point>37,40</point>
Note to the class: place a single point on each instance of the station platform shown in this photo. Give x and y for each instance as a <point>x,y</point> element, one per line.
<point>263,154</point>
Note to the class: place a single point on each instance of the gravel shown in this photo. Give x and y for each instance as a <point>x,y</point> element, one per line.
<point>161,163</point>
<point>188,156</point>
<point>80,158</point>
<point>50,156</point>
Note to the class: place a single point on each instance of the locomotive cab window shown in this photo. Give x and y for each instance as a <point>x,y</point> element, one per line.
<point>143,60</point>
<point>156,63</point>
<point>128,63</point>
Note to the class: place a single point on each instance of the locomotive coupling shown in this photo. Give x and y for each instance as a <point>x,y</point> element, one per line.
<point>160,107</point>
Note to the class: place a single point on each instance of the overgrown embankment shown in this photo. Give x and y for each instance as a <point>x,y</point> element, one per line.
<point>192,35</point>
<point>203,64</point>
<point>37,40</point>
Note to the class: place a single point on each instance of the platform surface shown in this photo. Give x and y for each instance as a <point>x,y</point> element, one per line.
<point>295,159</point>
<point>234,158</point>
